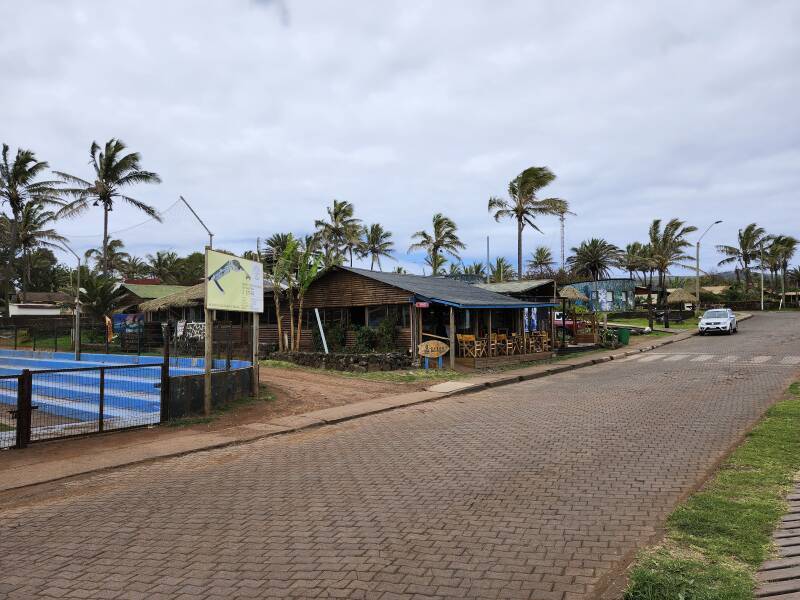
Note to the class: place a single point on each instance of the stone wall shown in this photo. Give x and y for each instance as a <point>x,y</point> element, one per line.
<point>186,392</point>
<point>358,363</point>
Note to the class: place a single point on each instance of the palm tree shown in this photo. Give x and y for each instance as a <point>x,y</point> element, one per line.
<point>501,270</point>
<point>594,258</point>
<point>476,269</point>
<point>116,256</point>
<point>634,259</point>
<point>34,232</point>
<point>780,251</point>
<point>667,248</point>
<point>134,267</point>
<point>455,270</point>
<point>399,270</point>
<point>376,242</point>
<point>99,295</point>
<point>793,276</point>
<point>113,172</point>
<point>442,239</point>
<point>164,265</point>
<point>561,208</point>
<point>19,186</point>
<point>541,260</point>
<point>747,250</point>
<point>523,206</point>
<point>340,234</point>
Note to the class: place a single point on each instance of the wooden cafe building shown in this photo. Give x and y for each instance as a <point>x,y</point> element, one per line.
<point>481,327</point>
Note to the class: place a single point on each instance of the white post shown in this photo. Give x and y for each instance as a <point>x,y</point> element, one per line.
<point>321,331</point>
<point>255,354</point>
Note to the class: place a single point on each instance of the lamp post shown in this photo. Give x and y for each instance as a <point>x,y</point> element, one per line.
<point>77,303</point>
<point>697,268</point>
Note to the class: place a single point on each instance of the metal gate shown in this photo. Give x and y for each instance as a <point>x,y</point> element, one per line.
<point>56,403</point>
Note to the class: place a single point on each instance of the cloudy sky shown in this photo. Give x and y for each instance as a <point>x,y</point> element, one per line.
<point>261,112</point>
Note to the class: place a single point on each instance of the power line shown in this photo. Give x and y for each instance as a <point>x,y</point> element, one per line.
<point>110,233</point>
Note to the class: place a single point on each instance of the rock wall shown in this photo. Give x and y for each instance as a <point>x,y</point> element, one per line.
<point>357,363</point>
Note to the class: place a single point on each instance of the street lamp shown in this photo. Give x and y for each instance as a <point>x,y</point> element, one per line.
<point>77,303</point>
<point>697,268</point>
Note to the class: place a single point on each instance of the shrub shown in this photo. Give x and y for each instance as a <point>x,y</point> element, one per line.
<point>366,340</point>
<point>386,334</point>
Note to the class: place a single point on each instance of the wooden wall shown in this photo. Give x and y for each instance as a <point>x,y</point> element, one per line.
<point>341,288</point>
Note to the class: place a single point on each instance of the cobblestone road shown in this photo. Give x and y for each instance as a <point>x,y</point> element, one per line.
<point>538,490</point>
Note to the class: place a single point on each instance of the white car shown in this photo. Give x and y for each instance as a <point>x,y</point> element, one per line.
<point>721,320</point>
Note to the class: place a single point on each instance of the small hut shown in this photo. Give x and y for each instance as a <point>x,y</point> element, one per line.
<point>679,296</point>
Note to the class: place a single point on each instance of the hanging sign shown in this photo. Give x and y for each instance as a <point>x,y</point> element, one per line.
<point>233,283</point>
<point>433,349</point>
<point>422,304</point>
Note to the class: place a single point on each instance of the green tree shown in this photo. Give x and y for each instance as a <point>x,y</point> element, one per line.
<point>634,259</point>
<point>190,269</point>
<point>340,234</point>
<point>475,269</point>
<point>455,270</point>
<point>307,267</point>
<point>114,172</point>
<point>34,232</point>
<point>443,239</point>
<point>375,243</point>
<point>115,253</point>
<point>594,258</point>
<point>20,185</point>
<point>501,270</point>
<point>668,248</point>
<point>523,206</point>
<point>134,267</point>
<point>747,250</point>
<point>541,261</point>
<point>164,265</point>
<point>399,271</point>
<point>100,296</point>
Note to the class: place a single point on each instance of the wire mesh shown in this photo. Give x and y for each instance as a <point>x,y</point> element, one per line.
<point>8,409</point>
<point>69,402</point>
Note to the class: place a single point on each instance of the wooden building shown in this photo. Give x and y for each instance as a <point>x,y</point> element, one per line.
<point>481,327</point>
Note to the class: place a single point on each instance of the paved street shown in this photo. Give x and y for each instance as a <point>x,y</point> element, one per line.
<point>542,490</point>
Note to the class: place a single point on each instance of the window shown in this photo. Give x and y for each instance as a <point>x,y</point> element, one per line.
<point>376,314</point>
<point>595,295</point>
<point>624,297</point>
<point>610,296</point>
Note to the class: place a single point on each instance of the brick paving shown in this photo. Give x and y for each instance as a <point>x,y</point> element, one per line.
<point>540,490</point>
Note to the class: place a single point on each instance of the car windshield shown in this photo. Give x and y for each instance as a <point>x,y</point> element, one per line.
<point>715,314</point>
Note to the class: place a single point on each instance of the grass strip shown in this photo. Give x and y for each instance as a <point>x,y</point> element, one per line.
<point>718,538</point>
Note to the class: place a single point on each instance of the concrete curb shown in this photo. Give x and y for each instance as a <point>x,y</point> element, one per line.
<point>348,412</point>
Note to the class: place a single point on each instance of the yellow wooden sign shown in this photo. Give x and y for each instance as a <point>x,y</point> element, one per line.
<point>433,349</point>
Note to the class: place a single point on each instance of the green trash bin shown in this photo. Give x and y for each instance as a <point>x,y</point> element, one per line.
<point>624,336</point>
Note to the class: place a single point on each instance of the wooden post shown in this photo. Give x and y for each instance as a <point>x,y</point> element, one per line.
<point>255,354</point>
<point>209,358</point>
<point>452,338</point>
<point>413,348</point>
<point>490,334</point>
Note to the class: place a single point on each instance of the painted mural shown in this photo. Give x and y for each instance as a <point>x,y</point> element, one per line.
<point>608,294</point>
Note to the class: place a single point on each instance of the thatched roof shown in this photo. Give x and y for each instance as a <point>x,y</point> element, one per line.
<point>681,296</point>
<point>570,293</point>
<point>191,296</point>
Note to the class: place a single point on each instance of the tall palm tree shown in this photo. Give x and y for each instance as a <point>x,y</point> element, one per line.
<point>114,171</point>
<point>115,254</point>
<point>541,260</point>
<point>35,231</point>
<point>793,275</point>
<point>19,186</point>
<point>376,242</point>
<point>668,248</point>
<point>634,259</point>
<point>340,234</point>
<point>501,270</point>
<point>747,250</point>
<point>523,206</point>
<point>443,239</point>
<point>777,256</point>
<point>164,265</point>
<point>594,258</point>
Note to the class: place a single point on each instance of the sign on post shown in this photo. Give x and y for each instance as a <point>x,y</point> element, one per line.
<point>233,283</point>
<point>433,349</point>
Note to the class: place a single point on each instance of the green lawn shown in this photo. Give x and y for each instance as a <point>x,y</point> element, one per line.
<point>401,376</point>
<point>718,538</point>
<point>642,322</point>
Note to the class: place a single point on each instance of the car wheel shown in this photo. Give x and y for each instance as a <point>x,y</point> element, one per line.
<point>730,330</point>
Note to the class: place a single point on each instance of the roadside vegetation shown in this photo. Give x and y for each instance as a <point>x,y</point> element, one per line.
<point>718,538</point>
<point>690,323</point>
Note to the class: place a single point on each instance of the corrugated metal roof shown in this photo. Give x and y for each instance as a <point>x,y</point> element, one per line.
<point>515,287</point>
<point>443,290</point>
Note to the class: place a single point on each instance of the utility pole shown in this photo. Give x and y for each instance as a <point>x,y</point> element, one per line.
<point>761,246</point>
<point>77,303</point>
<point>697,268</point>
<point>562,217</point>
<point>210,235</point>
<point>487,259</point>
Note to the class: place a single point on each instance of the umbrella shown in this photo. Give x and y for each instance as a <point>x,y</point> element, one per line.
<point>570,293</point>
<point>681,296</point>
